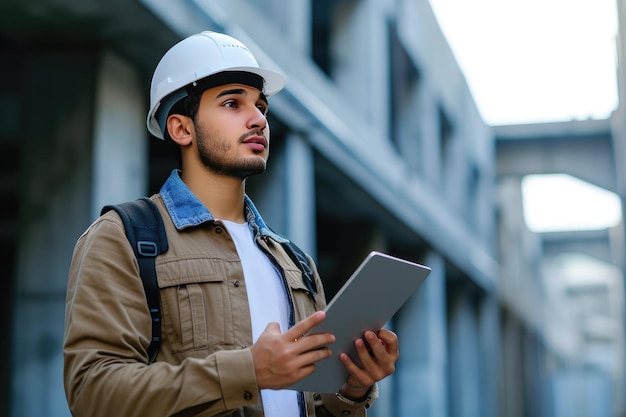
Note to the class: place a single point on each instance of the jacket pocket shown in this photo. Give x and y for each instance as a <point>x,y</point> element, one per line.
<point>193,299</point>
<point>305,303</point>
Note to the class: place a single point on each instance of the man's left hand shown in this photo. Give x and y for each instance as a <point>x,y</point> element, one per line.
<point>378,364</point>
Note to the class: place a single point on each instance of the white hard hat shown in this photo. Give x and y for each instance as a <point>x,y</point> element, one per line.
<point>197,57</point>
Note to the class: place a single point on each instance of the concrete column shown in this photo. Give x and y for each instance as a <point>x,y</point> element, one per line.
<point>300,193</point>
<point>512,387</point>
<point>490,360</point>
<point>285,193</point>
<point>67,174</point>
<point>420,378</point>
<point>464,369</point>
<point>568,392</point>
<point>120,153</point>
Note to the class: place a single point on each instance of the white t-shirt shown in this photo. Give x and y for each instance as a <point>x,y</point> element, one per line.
<point>268,303</point>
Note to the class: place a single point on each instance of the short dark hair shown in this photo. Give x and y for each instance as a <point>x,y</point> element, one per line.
<point>187,106</point>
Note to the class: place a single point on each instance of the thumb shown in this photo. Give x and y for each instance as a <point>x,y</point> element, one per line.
<point>272,327</point>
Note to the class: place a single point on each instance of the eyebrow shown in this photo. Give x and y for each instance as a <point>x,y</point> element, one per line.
<point>240,91</point>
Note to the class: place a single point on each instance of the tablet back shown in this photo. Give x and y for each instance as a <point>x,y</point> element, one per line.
<point>368,300</point>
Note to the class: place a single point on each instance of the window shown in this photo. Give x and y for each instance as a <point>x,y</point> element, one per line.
<point>403,85</point>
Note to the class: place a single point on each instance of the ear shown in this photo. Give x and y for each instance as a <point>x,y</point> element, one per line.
<point>180,128</point>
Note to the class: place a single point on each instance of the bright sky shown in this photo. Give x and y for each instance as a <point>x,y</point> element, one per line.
<point>533,61</point>
<point>576,204</point>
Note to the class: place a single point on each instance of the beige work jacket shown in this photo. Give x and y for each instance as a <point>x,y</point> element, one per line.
<point>204,366</point>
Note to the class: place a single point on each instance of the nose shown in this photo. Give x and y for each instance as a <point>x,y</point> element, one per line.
<point>257,120</point>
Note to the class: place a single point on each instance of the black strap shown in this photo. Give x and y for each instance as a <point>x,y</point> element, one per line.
<point>146,233</point>
<point>302,261</point>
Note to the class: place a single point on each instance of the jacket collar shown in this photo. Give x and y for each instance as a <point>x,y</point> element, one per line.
<point>187,211</point>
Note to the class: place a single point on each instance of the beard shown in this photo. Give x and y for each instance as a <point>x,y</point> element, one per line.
<point>212,150</point>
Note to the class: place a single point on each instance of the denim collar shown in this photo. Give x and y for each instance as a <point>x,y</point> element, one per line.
<point>187,211</point>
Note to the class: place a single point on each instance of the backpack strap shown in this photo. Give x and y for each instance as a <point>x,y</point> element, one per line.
<point>146,233</point>
<point>302,261</point>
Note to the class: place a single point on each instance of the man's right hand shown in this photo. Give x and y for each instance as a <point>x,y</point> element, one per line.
<point>281,359</point>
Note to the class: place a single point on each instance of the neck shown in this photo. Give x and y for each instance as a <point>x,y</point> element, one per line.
<point>222,196</point>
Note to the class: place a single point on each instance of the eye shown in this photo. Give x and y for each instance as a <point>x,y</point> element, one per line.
<point>262,108</point>
<point>230,103</point>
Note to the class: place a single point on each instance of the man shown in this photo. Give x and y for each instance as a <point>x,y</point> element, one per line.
<point>234,306</point>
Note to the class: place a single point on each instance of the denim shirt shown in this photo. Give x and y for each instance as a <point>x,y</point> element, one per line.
<point>187,211</point>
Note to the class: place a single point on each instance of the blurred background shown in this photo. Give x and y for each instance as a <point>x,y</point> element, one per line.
<point>485,139</point>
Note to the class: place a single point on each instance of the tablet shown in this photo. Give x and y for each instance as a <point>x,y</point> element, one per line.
<point>369,299</point>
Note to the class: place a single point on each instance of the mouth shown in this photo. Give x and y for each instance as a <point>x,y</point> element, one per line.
<point>256,142</point>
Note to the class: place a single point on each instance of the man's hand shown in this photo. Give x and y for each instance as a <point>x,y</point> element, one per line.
<point>378,364</point>
<point>281,359</point>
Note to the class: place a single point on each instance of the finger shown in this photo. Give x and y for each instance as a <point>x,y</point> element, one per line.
<point>309,358</point>
<point>312,342</point>
<point>305,325</point>
<point>373,360</point>
<point>272,327</point>
<point>383,345</point>
<point>382,363</point>
<point>357,377</point>
<point>376,351</point>
<point>389,338</point>
<point>377,346</point>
